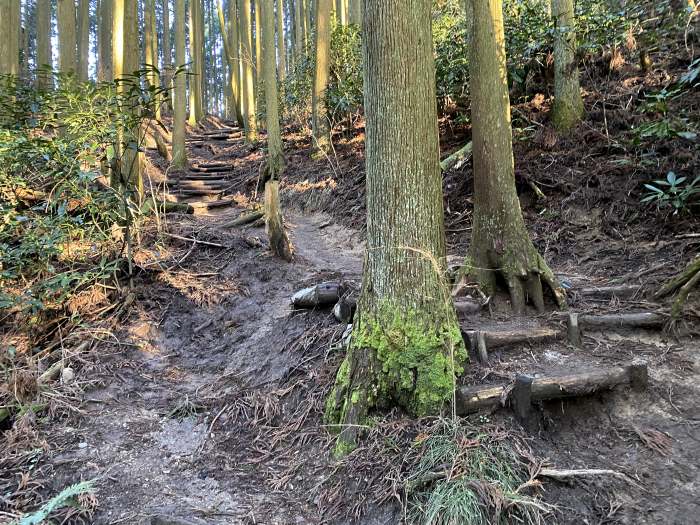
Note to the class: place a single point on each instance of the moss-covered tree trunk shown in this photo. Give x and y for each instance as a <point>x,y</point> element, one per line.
<point>281,51</point>
<point>500,241</point>
<point>319,111</point>
<point>248,82</point>
<point>43,42</point>
<point>179,96</point>
<point>9,37</point>
<point>406,345</point>
<point>83,39</point>
<point>568,104</point>
<point>67,41</point>
<point>104,40</point>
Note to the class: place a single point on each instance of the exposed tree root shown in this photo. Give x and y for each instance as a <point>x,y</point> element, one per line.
<point>684,283</point>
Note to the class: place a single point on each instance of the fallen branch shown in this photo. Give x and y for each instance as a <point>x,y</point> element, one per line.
<point>581,472</point>
<point>196,241</point>
<point>244,218</point>
<point>457,157</point>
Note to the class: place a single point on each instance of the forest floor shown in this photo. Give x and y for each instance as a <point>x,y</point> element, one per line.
<point>204,405</point>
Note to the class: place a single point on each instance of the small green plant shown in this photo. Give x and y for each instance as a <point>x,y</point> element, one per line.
<point>67,497</point>
<point>677,192</point>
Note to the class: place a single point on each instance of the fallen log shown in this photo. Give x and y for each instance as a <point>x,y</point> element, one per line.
<point>198,191</point>
<point>211,169</point>
<point>344,309</point>
<point>633,320</point>
<point>197,182</point>
<point>467,306</point>
<point>608,292</point>
<point>472,399</point>
<point>323,294</point>
<point>480,341</point>
<point>244,218</point>
<point>457,157</point>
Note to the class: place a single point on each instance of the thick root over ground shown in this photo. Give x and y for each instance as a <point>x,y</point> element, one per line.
<point>684,283</point>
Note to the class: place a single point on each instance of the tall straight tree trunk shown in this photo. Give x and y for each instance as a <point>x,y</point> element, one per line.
<point>196,59</point>
<point>83,39</point>
<point>167,66</point>
<point>235,43</point>
<point>125,61</point>
<point>9,37</point>
<point>305,29</point>
<point>274,225</point>
<point>231,51</point>
<point>298,32</point>
<point>500,241</point>
<point>43,42</point>
<point>179,101</point>
<point>406,345</point>
<point>356,12</point>
<point>67,43</point>
<point>258,48</point>
<point>319,111</point>
<point>281,51</point>
<point>248,83</point>
<point>151,49</point>
<point>568,104</point>
<point>24,32</point>
<point>104,60</point>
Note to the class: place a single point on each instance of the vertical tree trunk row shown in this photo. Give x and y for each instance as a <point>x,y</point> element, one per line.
<point>320,124</point>
<point>179,98</point>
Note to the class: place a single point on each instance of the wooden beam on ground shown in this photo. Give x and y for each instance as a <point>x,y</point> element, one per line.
<point>472,399</point>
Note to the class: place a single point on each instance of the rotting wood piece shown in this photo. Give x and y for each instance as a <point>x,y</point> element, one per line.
<point>323,294</point>
<point>472,399</point>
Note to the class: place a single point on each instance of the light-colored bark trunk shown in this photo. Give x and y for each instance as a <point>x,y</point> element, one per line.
<point>179,96</point>
<point>83,39</point>
<point>235,43</point>
<point>67,41</point>
<point>298,31</point>
<point>104,61</point>
<point>9,37</point>
<point>281,51</point>
<point>567,109</point>
<point>43,42</point>
<point>196,80</point>
<point>151,49</point>
<point>406,345</point>
<point>248,84</point>
<point>259,76</point>
<point>500,241</point>
<point>320,125</point>
<point>356,12</point>
<point>231,52</point>
<point>167,67</point>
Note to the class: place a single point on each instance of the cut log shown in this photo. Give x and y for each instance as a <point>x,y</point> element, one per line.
<point>467,306</point>
<point>573,330</point>
<point>211,169</point>
<point>201,183</point>
<point>274,224</point>
<point>504,338</point>
<point>244,218</point>
<point>198,191</point>
<point>633,320</point>
<point>608,292</point>
<point>200,175</point>
<point>344,309</point>
<point>472,399</point>
<point>323,294</point>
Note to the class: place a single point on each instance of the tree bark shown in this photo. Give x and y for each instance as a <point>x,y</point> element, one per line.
<point>248,83</point>
<point>9,41</point>
<point>406,344</point>
<point>179,102</point>
<point>281,51</point>
<point>104,61</point>
<point>500,241</point>
<point>319,117</point>
<point>568,104</point>
<point>67,42</point>
<point>151,49</point>
<point>43,42</point>
<point>83,39</point>
<point>356,12</point>
<point>196,56</point>
<point>167,64</point>
<point>235,46</point>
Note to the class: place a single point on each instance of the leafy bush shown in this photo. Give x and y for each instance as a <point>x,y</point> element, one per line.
<point>344,94</point>
<point>679,193</point>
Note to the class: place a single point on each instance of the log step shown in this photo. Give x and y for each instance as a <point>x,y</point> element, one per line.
<point>471,399</point>
<point>195,192</point>
<point>197,182</point>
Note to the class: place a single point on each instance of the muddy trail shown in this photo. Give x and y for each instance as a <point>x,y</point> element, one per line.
<point>203,403</point>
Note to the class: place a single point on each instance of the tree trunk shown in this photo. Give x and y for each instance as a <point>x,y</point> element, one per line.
<point>248,85</point>
<point>258,49</point>
<point>83,39</point>
<point>104,71</point>
<point>298,35</point>
<point>67,50</point>
<point>43,42</point>
<point>125,61</point>
<point>231,60</point>
<point>151,49</point>
<point>281,52</point>
<point>167,68</point>
<point>9,41</point>
<point>179,102</point>
<point>320,124</point>
<point>567,109</point>
<point>406,345</point>
<point>235,45</point>
<point>196,107</point>
<point>500,241</point>
<point>356,12</point>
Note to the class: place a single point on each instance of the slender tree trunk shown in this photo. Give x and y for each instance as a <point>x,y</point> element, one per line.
<point>231,51</point>
<point>406,345</point>
<point>305,27</point>
<point>167,68</point>
<point>298,33</point>
<point>43,42</point>
<point>281,52</point>
<point>568,105</point>
<point>279,243</point>
<point>67,49</point>
<point>196,59</point>
<point>259,77</point>
<point>500,241</point>
<point>24,32</point>
<point>320,124</point>
<point>356,12</point>
<point>83,39</point>
<point>235,43</point>
<point>179,102</point>
<point>9,37</point>
<point>151,49</point>
<point>248,84</point>
<point>104,72</point>
<point>125,61</point>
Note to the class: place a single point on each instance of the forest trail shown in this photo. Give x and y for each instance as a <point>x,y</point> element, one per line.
<point>219,324</point>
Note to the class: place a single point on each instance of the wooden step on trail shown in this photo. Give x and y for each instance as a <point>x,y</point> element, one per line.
<point>527,389</point>
<point>195,192</point>
<point>198,182</point>
<point>481,341</point>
